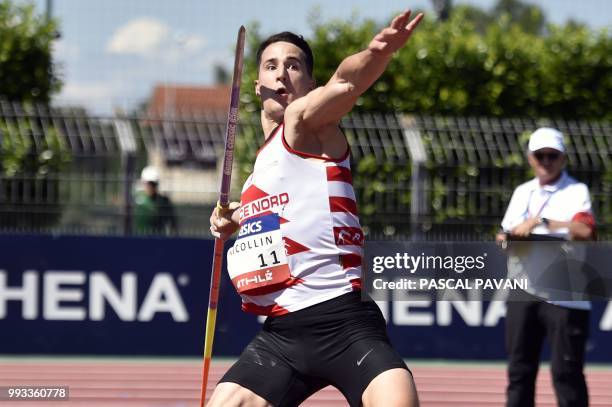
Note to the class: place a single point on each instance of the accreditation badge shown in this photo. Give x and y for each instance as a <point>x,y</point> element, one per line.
<point>257,262</point>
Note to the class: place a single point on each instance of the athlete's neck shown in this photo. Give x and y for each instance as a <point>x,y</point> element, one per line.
<point>268,124</point>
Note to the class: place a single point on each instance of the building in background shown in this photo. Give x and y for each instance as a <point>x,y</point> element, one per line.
<point>184,101</point>
<point>187,129</point>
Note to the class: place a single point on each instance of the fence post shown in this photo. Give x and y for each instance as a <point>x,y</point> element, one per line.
<point>418,181</point>
<point>127,145</point>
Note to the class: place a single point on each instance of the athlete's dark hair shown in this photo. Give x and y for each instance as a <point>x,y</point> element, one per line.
<point>292,38</point>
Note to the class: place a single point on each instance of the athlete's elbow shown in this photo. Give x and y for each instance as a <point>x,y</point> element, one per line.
<point>350,89</point>
<point>347,94</point>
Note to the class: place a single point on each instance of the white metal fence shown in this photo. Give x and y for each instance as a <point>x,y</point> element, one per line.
<point>64,171</point>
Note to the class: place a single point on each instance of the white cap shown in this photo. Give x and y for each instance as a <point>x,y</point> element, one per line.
<point>546,137</point>
<point>150,174</point>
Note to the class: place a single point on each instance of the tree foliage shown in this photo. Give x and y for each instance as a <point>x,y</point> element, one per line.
<point>507,62</point>
<point>27,73</point>
<point>509,68</point>
<point>29,162</point>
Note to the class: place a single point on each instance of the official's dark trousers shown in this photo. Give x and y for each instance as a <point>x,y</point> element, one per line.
<point>527,324</point>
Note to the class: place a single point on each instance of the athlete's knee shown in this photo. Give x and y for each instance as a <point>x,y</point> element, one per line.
<point>232,394</point>
<point>392,388</point>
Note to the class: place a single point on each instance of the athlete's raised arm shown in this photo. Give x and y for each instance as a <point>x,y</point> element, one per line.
<point>355,74</point>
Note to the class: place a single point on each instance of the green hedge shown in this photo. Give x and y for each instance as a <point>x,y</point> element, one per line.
<point>459,68</point>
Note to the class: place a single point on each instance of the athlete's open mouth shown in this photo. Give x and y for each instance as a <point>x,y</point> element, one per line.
<point>281,91</point>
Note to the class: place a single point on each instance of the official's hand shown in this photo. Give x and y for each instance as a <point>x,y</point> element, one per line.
<point>393,37</point>
<point>222,222</point>
<point>501,239</point>
<point>524,229</point>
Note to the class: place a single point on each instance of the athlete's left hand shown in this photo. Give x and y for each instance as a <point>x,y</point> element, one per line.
<point>393,37</point>
<point>222,221</point>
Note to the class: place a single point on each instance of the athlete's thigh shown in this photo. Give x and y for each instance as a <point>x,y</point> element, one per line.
<point>229,394</point>
<point>353,350</point>
<point>263,370</point>
<point>391,388</point>
<point>360,364</point>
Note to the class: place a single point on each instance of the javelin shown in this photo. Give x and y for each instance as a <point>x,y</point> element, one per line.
<point>222,205</point>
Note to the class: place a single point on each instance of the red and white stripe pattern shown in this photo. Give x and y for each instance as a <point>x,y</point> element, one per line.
<point>319,225</point>
<point>347,231</point>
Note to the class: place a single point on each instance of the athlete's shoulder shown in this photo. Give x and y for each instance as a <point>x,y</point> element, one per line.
<point>294,112</point>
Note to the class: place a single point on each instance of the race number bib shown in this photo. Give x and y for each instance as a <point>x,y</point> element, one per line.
<point>257,263</point>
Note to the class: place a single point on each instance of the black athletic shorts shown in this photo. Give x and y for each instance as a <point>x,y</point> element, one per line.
<point>341,342</point>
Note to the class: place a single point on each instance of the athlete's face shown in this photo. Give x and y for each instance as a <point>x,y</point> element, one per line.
<point>282,77</point>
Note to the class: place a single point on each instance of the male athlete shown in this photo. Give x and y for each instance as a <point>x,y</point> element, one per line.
<point>297,257</point>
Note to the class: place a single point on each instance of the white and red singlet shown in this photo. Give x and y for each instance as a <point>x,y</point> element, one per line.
<point>300,241</point>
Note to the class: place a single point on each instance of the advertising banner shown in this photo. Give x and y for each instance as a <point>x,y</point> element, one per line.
<point>75,295</point>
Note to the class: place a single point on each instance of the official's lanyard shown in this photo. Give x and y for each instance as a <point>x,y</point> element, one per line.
<point>550,194</point>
